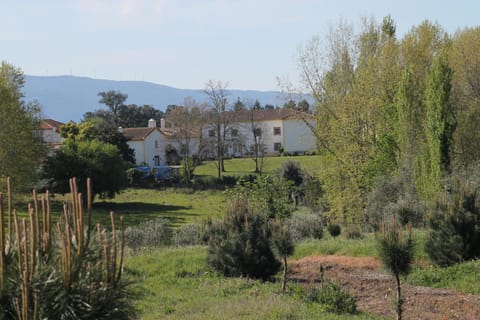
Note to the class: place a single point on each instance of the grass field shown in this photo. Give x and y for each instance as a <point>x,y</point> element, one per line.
<point>236,167</point>
<point>179,206</point>
<point>177,284</point>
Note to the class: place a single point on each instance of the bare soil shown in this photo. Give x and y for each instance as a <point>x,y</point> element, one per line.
<point>375,290</point>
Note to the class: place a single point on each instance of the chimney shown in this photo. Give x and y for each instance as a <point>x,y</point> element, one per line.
<point>152,123</point>
<point>162,123</point>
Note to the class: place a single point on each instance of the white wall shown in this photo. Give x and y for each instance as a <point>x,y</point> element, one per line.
<point>298,136</point>
<point>51,136</point>
<point>146,150</point>
<point>295,136</point>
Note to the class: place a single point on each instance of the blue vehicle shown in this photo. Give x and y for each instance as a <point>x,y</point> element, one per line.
<point>158,172</point>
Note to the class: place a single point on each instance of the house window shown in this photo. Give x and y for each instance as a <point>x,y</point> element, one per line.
<point>234,132</point>
<point>277,146</point>
<point>211,133</point>
<point>156,144</point>
<point>156,160</point>
<point>277,131</point>
<point>257,132</point>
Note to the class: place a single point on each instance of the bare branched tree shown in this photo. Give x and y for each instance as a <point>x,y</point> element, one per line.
<point>219,119</point>
<point>185,120</point>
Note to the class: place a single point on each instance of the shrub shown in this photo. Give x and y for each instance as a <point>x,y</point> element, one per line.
<point>188,235</point>
<point>396,254</point>
<point>454,232</point>
<point>241,244</point>
<point>334,230</point>
<point>284,246</point>
<point>305,225</point>
<point>353,233</point>
<point>291,171</point>
<point>68,272</point>
<point>391,196</point>
<point>135,177</point>
<point>153,233</point>
<point>333,298</point>
<point>311,193</point>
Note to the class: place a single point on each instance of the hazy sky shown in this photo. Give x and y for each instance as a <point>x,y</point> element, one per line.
<point>185,43</point>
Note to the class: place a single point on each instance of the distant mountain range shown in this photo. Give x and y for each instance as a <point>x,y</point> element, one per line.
<point>66,98</point>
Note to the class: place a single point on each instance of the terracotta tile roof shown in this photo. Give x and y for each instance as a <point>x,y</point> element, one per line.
<point>141,133</point>
<point>137,134</point>
<point>268,115</point>
<point>48,124</point>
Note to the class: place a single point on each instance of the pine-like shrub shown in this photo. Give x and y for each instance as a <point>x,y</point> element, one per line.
<point>284,246</point>
<point>334,230</point>
<point>454,231</point>
<point>396,253</point>
<point>241,244</point>
<point>65,270</point>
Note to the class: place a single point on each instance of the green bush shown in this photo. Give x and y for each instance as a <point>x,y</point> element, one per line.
<point>396,253</point>
<point>353,233</point>
<point>332,298</point>
<point>454,232</point>
<point>188,235</point>
<point>305,225</point>
<point>241,244</point>
<point>334,230</point>
<point>72,271</point>
<point>153,233</point>
<point>455,221</point>
<point>292,171</point>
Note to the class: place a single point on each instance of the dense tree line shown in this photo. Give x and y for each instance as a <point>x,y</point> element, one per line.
<point>393,107</point>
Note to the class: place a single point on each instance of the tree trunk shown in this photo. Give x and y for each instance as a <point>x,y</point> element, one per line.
<point>399,298</point>
<point>284,280</point>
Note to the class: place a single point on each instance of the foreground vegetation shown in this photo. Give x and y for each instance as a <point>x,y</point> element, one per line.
<point>176,283</point>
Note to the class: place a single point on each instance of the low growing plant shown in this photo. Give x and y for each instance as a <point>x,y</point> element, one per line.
<point>190,234</point>
<point>353,233</point>
<point>305,225</point>
<point>68,270</point>
<point>332,298</point>
<point>241,245</point>
<point>152,233</point>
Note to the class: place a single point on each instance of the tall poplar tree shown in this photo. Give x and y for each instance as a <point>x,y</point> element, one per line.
<point>440,124</point>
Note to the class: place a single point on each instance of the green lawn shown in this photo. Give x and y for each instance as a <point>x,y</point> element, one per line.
<point>177,284</point>
<point>242,166</point>
<point>179,206</point>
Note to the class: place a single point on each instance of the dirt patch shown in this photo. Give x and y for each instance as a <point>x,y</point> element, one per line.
<point>374,289</point>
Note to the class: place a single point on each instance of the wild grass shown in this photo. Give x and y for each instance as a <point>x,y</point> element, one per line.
<point>177,284</point>
<point>464,277</point>
<point>365,247</point>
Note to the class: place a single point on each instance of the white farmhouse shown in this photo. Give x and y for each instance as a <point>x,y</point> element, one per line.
<point>50,132</point>
<point>273,130</point>
<point>151,143</point>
